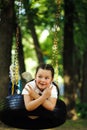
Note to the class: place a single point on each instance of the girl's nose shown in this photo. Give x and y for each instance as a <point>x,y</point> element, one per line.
<point>43,79</point>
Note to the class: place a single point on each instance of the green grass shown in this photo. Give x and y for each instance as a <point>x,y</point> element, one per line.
<point>73,125</point>
<point>68,125</point>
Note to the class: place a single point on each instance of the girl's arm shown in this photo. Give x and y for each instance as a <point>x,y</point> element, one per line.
<point>50,102</point>
<point>44,100</point>
<point>33,100</point>
<point>31,104</point>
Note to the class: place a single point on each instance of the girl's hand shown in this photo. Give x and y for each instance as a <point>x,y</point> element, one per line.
<point>47,92</point>
<point>32,93</point>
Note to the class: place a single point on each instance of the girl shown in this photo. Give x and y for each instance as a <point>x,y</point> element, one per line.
<point>41,91</point>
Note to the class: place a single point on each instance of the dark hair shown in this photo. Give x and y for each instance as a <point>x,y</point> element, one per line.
<point>46,67</point>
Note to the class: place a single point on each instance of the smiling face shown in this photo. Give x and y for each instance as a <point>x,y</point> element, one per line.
<point>43,78</point>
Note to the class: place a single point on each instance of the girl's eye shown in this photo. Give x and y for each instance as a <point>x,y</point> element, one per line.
<point>47,78</point>
<point>39,76</point>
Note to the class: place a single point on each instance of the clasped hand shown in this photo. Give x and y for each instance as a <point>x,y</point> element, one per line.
<point>46,93</point>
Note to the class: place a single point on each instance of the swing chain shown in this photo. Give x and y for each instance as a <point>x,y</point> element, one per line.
<point>15,76</point>
<point>55,41</point>
<point>15,64</point>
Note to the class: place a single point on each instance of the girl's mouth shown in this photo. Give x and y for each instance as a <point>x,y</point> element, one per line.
<point>41,86</point>
<point>42,83</point>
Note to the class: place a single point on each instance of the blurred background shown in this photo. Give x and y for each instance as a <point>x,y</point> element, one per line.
<point>47,31</point>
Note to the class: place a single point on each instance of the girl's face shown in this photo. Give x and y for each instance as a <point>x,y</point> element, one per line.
<point>43,78</point>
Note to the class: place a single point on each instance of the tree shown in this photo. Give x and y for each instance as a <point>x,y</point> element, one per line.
<point>80,32</point>
<point>8,23</point>
<point>31,26</point>
<point>6,36</point>
<point>68,57</point>
<point>84,81</point>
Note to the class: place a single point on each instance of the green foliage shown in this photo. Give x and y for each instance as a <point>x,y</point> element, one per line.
<point>43,13</point>
<point>82,110</point>
<point>80,22</point>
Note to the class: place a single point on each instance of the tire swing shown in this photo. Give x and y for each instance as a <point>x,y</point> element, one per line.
<point>12,108</point>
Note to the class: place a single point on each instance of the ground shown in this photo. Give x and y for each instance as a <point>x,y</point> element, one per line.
<point>68,125</point>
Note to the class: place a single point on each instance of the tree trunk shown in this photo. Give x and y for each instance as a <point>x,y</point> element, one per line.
<point>33,31</point>
<point>20,51</point>
<point>68,58</point>
<point>84,84</point>
<point>6,34</point>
